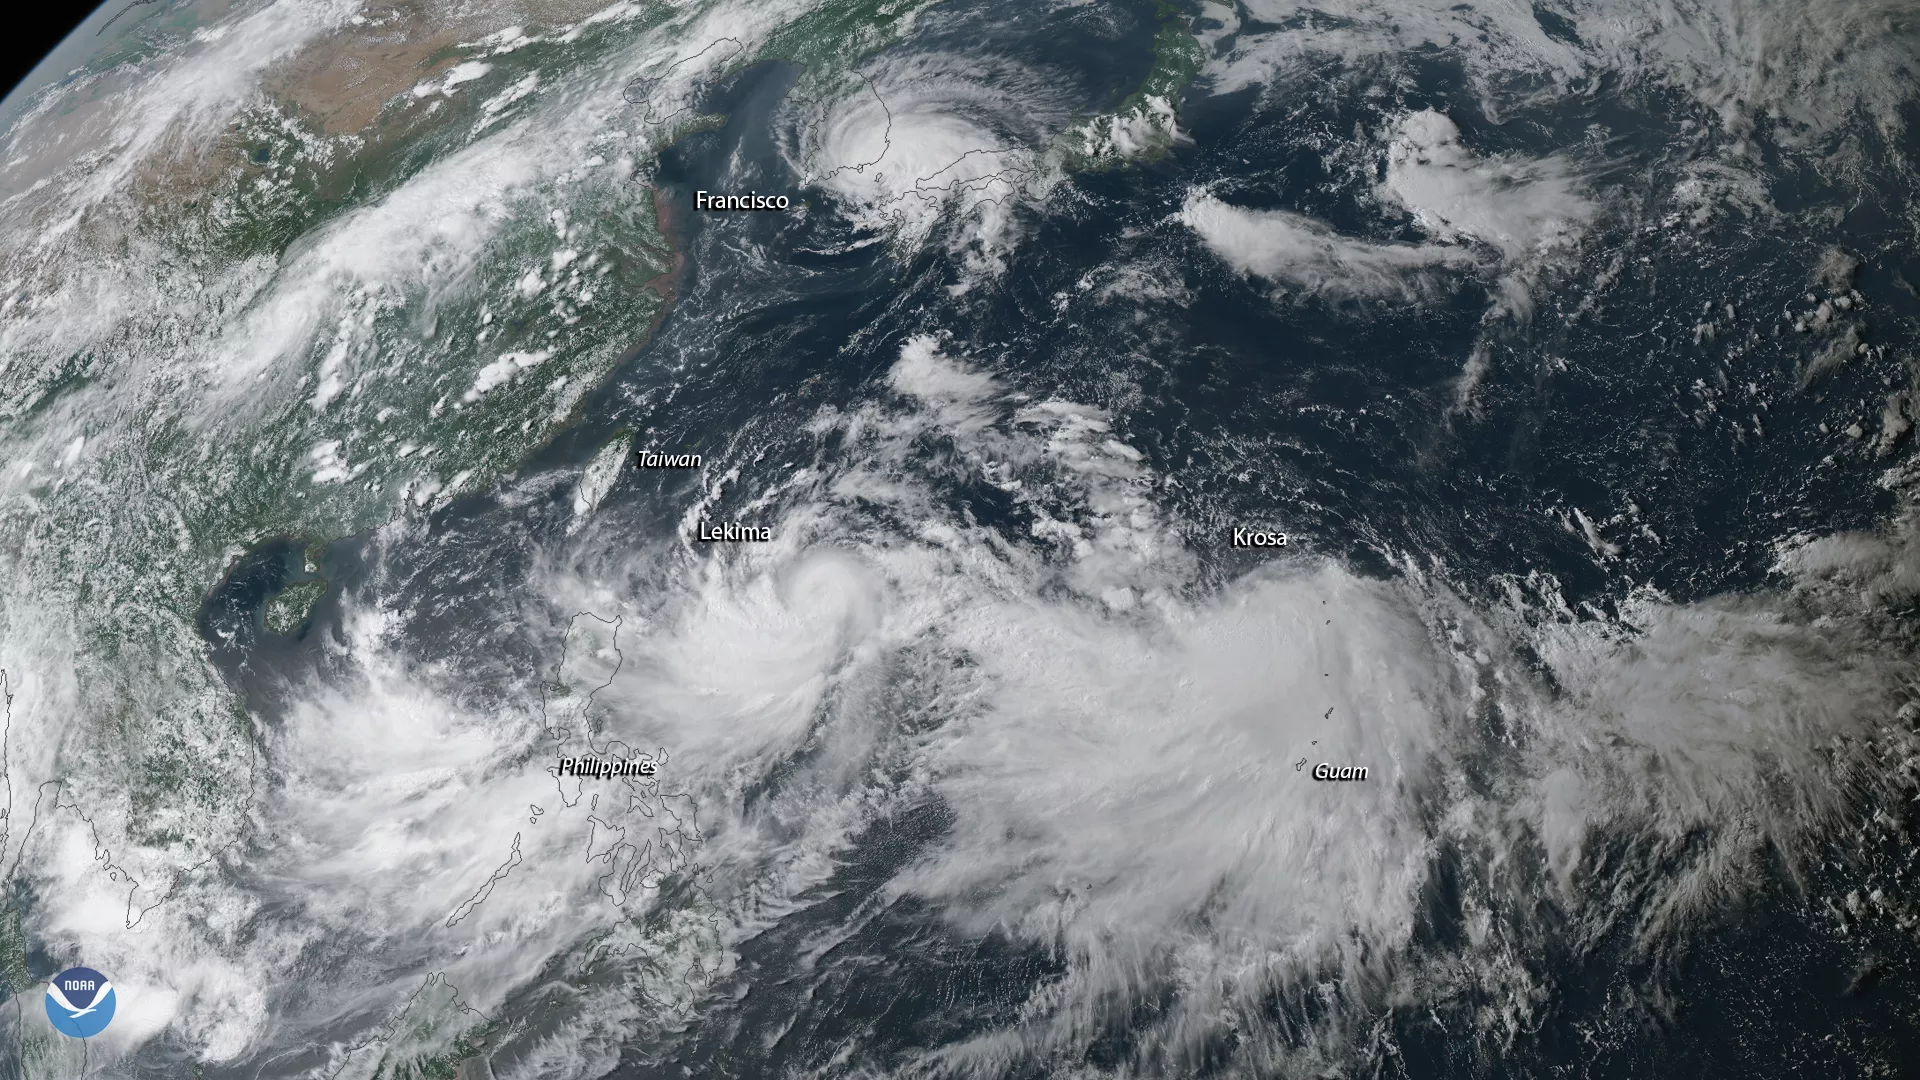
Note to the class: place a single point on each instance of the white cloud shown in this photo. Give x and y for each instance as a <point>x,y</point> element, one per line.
<point>1746,59</point>
<point>926,136</point>
<point>1523,209</point>
<point>502,371</point>
<point>1307,255</point>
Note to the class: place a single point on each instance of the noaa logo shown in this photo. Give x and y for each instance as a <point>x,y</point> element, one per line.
<point>80,1002</point>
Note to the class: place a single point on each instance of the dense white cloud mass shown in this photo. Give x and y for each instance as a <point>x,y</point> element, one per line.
<point>1307,255</point>
<point>1521,209</point>
<point>1122,777</point>
<point>923,139</point>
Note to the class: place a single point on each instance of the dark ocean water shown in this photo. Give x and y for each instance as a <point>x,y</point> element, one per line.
<point>1337,421</point>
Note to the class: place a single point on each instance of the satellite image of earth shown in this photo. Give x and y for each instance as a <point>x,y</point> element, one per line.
<point>963,539</point>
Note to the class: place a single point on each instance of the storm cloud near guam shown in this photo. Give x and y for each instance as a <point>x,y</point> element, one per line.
<point>958,538</point>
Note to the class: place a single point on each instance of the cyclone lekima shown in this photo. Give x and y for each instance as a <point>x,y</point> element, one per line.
<point>376,380</point>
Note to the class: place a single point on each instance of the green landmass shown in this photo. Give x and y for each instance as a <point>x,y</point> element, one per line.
<point>290,608</point>
<point>1145,117</point>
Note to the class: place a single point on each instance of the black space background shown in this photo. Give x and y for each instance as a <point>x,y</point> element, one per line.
<point>32,32</point>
